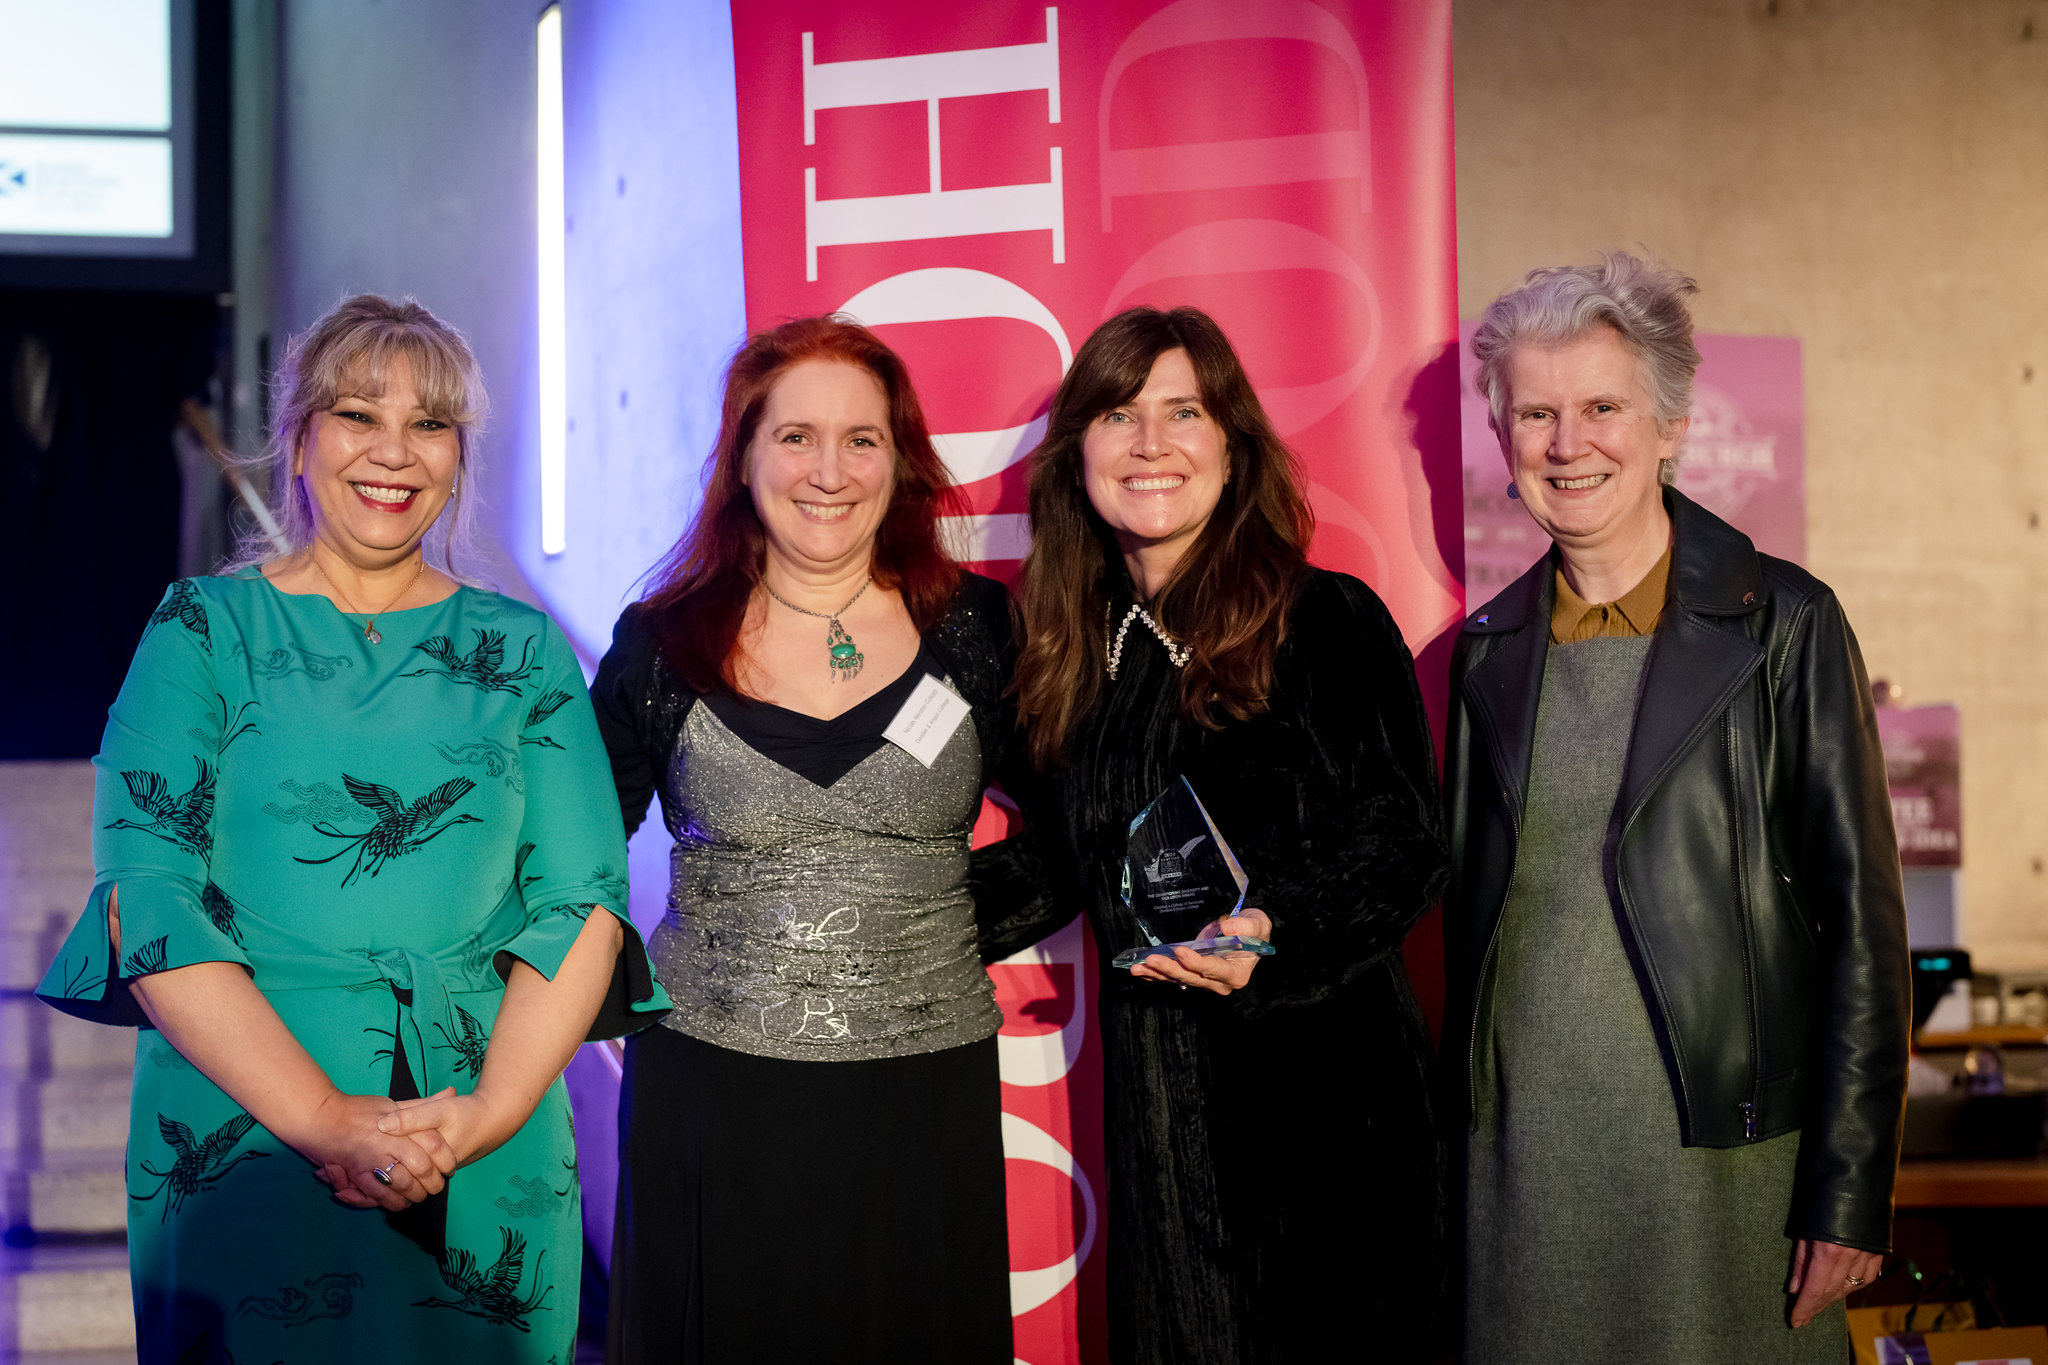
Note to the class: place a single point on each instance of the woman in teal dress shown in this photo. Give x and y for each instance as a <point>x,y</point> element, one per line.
<point>355,844</point>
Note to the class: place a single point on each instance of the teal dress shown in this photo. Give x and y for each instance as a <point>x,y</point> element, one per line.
<point>374,832</point>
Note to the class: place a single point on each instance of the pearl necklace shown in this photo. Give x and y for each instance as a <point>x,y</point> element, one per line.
<point>1178,655</point>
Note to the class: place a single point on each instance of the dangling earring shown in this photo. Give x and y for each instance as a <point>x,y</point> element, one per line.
<point>1514,493</point>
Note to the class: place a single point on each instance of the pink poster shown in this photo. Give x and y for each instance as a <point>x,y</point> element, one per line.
<point>1744,459</point>
<point>1922,765</point>
<point>984,183</point>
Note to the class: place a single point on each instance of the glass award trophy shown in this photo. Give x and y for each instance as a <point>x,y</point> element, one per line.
<point>1180,878</point>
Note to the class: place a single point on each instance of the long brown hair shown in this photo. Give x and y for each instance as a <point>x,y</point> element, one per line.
<point>1228,597</point>
<point>701,587</point>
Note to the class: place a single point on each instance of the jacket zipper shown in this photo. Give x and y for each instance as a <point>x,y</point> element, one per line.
<point>1747,1108</point>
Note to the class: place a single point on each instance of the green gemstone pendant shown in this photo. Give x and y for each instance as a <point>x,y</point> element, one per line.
<point>846,656</point>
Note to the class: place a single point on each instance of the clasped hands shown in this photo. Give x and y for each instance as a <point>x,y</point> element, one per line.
<point>420,1143</point>
<point>1219,974</point>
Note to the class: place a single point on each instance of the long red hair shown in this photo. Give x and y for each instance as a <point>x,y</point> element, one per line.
<point>702,587</point>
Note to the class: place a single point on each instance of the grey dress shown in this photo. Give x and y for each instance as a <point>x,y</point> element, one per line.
<point>829,923</point>
<point>813,1150</point>
<point>1592,1234</point>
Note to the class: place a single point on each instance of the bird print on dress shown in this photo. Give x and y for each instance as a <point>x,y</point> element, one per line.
<point>80,982</point>
<point>152,956</point>
<point>467,1041</point>
<point>544,706</point>
<point>320,1296</point>
<point>182,605</point>
<point>604,886</point>
<point>185,821</point>
<point>402,827</point>
<point>198,1166</point>
<point>493,1294</point>
<point>483,666</point>
<point>224,729</point>
<point>219,907</point>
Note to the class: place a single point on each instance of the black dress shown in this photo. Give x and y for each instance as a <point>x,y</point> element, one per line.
<point>1276,1182</point>
<point>780,1208</point>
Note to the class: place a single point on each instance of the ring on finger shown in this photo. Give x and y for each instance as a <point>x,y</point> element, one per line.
<point>383,1177</point>
<point>1855,1281</point>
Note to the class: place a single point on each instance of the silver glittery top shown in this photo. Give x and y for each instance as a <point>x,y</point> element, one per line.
<point>827,923</point>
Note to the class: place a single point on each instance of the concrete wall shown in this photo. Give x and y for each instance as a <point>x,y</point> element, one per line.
<point>1870,176</point>
<point>405,164</point>
<point>405,155</point>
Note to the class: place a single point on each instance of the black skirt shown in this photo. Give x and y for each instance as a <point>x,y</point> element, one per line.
<point>777,1210</point>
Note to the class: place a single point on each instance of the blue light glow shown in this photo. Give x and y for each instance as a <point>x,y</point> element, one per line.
<point>654,301</point>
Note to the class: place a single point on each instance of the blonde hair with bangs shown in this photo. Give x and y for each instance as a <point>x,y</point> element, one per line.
<point>347,351</point>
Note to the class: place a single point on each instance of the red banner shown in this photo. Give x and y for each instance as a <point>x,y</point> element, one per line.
<point>984,183</point>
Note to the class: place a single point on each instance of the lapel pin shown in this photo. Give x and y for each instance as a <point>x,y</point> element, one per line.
<point>1748,598</point>
<point>1481,620</point>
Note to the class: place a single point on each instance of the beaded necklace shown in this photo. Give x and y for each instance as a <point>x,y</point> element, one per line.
<point>1178,655</point>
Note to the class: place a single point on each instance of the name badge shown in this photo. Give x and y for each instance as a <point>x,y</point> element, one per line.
<point>927,720</point>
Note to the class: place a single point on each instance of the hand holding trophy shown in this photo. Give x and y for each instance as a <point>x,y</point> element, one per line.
<point>1181,881</point>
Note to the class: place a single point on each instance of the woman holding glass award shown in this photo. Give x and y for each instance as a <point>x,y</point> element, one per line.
<point>1275,1171</point>
<point>813,1147</point>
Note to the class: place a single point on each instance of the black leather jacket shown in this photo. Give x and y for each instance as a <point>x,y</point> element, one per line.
<point>1750,861</point>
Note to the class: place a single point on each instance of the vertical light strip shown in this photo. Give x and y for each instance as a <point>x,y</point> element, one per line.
<point>552,216</point>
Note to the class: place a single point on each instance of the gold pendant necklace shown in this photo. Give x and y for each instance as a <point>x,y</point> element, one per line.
<point>370,632</point>
<point>844,657</point>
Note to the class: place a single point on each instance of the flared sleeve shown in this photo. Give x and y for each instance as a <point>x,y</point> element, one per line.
<point>153,826</point>
<point>572,846</point>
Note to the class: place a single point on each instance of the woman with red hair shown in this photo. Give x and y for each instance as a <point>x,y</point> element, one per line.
<point>813,1162</point>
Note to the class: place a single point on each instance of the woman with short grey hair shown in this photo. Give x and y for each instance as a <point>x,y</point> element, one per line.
<point>1680,993</point>
<point>360,878</point>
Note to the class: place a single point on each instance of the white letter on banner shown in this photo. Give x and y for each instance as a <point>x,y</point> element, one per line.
<point>931,77</point>
<point>1044,1058</point>
<point>1340,155</point>
<point>1024,1140</point>
<point>954,294</point>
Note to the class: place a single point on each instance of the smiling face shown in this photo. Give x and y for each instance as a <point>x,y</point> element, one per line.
<point>1584,443</point>
<point>1155,468</point>
<point>377,468</point>
<point>821,465</point>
